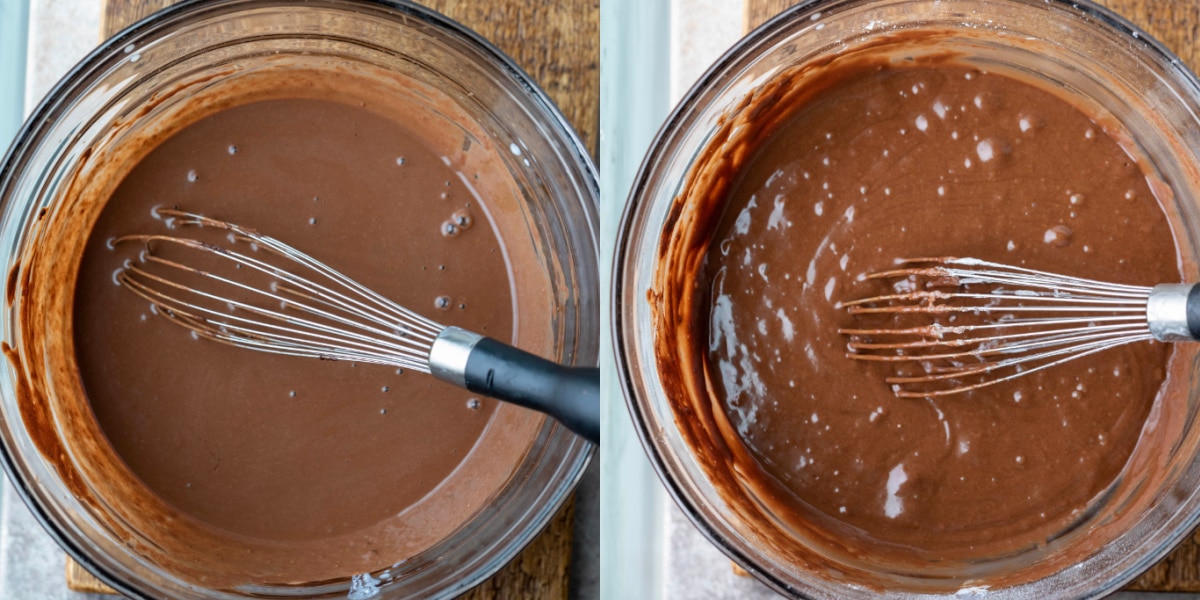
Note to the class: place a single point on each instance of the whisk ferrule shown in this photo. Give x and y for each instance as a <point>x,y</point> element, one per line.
<point>450,353</point>
<point>1173,312</point>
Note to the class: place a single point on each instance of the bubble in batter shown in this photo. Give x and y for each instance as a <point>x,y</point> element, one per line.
<point>463,219</point>
<point>1059,235</point>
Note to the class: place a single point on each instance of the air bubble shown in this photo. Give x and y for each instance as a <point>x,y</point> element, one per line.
<point>400,161</point>
<point>1059,235</point>
<point>383,411</point>
<point>192,176</point>
<point>312,221</point>
<point>463,219</point>
<point>474,404</point>
<point>232,149</point>
<point>449,229</point>
<point>442,303</point>
<point>292,394</point>
<point>384,389</point>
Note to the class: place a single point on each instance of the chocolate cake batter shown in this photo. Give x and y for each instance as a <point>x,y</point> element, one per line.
<point>266,446</point>
<point>873,160</point>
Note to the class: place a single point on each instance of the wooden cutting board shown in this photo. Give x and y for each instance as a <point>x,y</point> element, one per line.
<point>1176,24</point>
<point>558,43</point>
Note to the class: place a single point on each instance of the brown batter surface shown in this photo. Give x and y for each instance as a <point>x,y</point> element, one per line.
<point>283,448</point>
<point>892,160</point>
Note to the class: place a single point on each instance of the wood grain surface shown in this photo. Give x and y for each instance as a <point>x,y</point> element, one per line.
<point>558,43</point>
<point>555,41</point>
<point>1175,23</point>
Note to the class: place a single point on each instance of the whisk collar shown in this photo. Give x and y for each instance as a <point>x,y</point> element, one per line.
<point>1173,312</point>
<point>449,354</point>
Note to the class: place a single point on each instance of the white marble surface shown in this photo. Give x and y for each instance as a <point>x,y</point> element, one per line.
<point>700,31</point>
<point>60,33</point>
<point>31,564</point>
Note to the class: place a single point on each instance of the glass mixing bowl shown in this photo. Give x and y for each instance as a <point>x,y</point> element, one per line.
<point>1087,53</point>
<point>165,65</point>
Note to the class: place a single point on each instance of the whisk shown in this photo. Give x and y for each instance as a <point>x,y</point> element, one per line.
<point>286,302</point>
<point>963,323</point>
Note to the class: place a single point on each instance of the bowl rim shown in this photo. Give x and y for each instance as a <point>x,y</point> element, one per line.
<point>1100,16</point>
<point>149,27</point>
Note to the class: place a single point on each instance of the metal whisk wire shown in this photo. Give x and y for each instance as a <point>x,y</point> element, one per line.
<point>1063,319</point>
<point>323,314</point>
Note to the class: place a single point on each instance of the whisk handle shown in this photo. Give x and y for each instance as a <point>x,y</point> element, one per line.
<point>571,395</point>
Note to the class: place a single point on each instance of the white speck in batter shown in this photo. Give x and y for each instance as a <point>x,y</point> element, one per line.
<point>893,505</point>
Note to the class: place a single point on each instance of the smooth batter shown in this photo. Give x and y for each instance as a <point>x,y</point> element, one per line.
<point>882,160</point>
<point>289,449</point>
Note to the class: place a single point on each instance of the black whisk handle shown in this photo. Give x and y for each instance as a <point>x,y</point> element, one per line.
<point>569,394</point>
